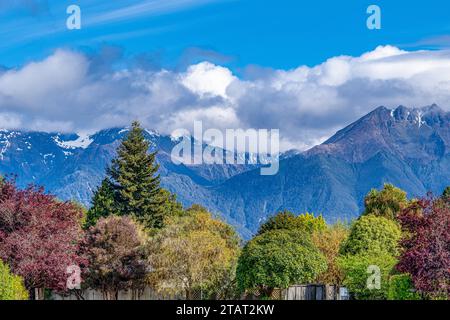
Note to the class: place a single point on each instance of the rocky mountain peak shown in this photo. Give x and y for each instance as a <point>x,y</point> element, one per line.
<point>404,132</point>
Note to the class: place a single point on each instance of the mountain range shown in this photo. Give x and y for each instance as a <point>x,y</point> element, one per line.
<point>409,147</point>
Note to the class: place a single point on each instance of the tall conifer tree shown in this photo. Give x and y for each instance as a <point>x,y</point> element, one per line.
<point>103,204</point>
<point>135,180</point>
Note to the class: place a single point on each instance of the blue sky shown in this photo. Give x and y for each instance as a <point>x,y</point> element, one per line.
<point>307,68</point>
<point>278,34</point>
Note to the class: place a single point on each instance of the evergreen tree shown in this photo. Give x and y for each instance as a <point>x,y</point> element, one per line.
<point>103,204</point>
<point>445,195</point>
<point>171,206</point>
<point>136,183</point>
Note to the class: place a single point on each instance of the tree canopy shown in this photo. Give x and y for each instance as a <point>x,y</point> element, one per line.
<point>387,202</point>
<point>446,193</point>
<point>103,204</point>
<point>117,256</point>
<point>39,236</point>
<point>135,180</point>
<point>287,220</point>
<point>329,241</point>
<point>426,248</point>
<point>132,187</point>
<point>370,233</point>
<point>194,253</point>
<point>277,259</point>
<point>372,247</point>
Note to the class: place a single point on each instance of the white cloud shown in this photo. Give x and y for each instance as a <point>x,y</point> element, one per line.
<point>382,52</point>
<point>40,81</point>
<point>207,79</point>
<point>64,92</point>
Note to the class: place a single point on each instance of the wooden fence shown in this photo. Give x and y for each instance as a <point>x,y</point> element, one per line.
<point>147,294</point>
<point>298,292</point>
<point>303,292</point>
<point>314,292</point>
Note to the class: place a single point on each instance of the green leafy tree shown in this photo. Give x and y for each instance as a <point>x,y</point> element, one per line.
<point>312,223</point>
<point>361,274</point>
<point>135,180</point>
<point>278,259</point>
<point>372,233</point>
<point>385,203</point>
<point>11,286</point>
<point>103,204</point>
<point>287,220</point>
<point>372,246</point>
<point>194,253</point>
<point>284,220</point>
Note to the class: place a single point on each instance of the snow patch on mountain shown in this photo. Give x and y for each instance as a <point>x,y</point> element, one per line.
<point>82,142</point>
<point>152,133</point>
<point>5,143</point>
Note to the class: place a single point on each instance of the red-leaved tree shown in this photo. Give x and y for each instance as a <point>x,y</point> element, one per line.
<point>426,247</point>
<point>39,237</point>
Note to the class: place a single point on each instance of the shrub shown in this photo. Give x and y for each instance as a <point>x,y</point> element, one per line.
<point>401,288</point>
<point>11,286</point>
<point>358,274</point>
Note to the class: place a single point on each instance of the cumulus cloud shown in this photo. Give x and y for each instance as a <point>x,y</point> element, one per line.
<point>207,79</point>
<point>68,92</point>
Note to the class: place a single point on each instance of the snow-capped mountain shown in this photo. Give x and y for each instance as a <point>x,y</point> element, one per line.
<point>405,146</point>
<point>72,165</point>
